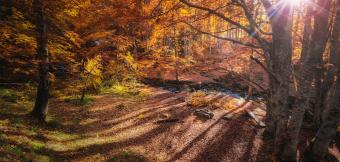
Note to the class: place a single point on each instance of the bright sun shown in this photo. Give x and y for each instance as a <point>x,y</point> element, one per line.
<point>293,2</point>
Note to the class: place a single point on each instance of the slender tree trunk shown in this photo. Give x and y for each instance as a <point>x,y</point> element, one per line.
<point>82,70</point>
<point>41,103</point>
<point>307,32</point>
<point>176,65</point>
<point>176,52</point>
<point>314,61</point>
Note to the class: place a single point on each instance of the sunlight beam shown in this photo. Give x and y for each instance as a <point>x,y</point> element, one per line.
<point>293,2</point>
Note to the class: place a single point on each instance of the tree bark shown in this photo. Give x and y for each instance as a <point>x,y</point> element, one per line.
<point>333,59</point>
<point>328,128</point>
<point>280,66</point>
<point>314,60</point>
<point>307,32</point>
<point>41,102</point>
<point>309,73</point>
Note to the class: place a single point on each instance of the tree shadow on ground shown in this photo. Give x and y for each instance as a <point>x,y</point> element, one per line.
<point>107,127</point>
<point>217,148</point>
<point>127,156</point>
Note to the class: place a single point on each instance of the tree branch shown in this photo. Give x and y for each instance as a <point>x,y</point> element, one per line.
<point>264,68</point>
<point>223,38</point>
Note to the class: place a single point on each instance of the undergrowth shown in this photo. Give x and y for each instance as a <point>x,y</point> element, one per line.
<point>197,99</point>
<point>75,100</point>
<point>127,90</point>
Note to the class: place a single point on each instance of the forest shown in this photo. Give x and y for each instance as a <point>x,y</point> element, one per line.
<point>170,80</point>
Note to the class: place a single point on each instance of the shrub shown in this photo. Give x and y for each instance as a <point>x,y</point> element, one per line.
<point>197,99</point>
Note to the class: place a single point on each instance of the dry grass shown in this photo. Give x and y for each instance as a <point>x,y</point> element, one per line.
<point>198,99</point>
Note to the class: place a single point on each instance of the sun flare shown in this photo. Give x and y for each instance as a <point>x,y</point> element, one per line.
<point>293,2</point>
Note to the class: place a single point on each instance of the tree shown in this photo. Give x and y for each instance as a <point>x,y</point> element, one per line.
<point>42,27</point>
<point>41,103</point>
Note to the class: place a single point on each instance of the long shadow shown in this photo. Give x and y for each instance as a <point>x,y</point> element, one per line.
<point>178,155</point>
<point>222,147</point>
<point>83,110</point>
<point>106,115</point>
<point>103,124</point>
<point>150,118</point>
<point>17,155</point>
<point>265,150</point>
<point>181,113</point>
<point>247,155</point>
<point>145,138</point>
<point>94,149</point>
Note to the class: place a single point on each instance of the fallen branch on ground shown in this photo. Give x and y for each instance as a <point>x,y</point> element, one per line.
<point>257,120</point>
<point>171,120</point>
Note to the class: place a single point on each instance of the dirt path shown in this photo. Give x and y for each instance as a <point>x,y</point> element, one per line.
<point>114,125</point>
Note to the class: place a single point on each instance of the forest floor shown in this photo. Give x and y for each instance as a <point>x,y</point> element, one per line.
<point>116,128</point>
<point>123,129</point>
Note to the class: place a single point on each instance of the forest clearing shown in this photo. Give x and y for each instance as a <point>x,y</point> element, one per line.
<point>170,80</point>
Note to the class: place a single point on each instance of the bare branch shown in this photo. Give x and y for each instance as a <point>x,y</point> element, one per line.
<point>223,38</point>
<point>218,15</point>
<point>264,68</point>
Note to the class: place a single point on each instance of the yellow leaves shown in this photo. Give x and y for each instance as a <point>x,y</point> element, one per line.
<point>23,39</point>
<point>93,69</point>
<point>100,35</point>
<point>51,77</point>
<point>92,65</point>
<point>74,37</point>
<point>59,50</point>
<point>26,26</point>
<point>231,104</point>
<point>130,61</point>
<point>184,12</point>
<point>198,99</point>
<point>71,12</point>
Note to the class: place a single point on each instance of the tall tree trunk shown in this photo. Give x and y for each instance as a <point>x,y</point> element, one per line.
<point>280,66</point>
<point>308,74</point>
<point>175,41</point>
<point>328,128</point>
<point>332,60</point>
<point>41,102</point>
<point>314,60</point>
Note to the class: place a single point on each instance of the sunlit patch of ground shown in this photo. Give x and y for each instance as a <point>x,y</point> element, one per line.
<point>120,128</point>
